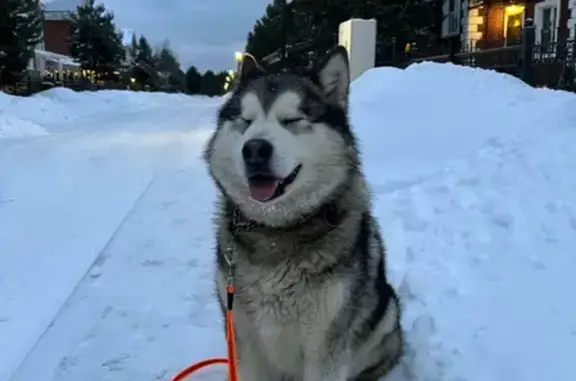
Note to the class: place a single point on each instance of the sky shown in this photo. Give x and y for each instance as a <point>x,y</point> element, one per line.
<point>203,33</point>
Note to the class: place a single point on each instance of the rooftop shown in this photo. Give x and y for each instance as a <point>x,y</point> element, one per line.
<point>62,5</point>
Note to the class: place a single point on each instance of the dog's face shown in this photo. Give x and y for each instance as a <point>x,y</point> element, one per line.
<point>283,146</point>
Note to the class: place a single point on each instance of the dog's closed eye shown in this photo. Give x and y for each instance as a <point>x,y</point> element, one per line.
<point>291,121</point>
<point>242,124</point>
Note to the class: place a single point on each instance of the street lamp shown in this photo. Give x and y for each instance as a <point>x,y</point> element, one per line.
<point>229,79</point>
<point>238,56</point>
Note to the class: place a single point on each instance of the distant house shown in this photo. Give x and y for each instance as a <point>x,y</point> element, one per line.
<point>481,24</point>
<point>52,53</point>
<point>57,25</point>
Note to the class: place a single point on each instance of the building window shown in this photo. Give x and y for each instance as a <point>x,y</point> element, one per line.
<point>513,23</point>
<point>547,33</point>
<point>452,23</point>
<point>453,18</point>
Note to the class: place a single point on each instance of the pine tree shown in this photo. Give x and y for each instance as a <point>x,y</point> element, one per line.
<point>168,67</point>
<point>133,50</point>
<point>165,59</point>
<point>21,23</point>
<point>263,39</point>
<point>305,21</point>
<point>404,20</point>
<point>210,85</point>
<point>145,69</point>
<point>319,20</point>
<point>177,81</point>
<point>95,42</point>
<point>144,56</point>
<point>193,81</point>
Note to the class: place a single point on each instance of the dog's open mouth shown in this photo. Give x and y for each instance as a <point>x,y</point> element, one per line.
<point>265,187</point>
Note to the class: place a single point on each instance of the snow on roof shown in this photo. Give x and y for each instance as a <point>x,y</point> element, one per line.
<point>65,60</point>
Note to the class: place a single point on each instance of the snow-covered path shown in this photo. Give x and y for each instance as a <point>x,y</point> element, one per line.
<point>64,196</point>
<point>149,290</point>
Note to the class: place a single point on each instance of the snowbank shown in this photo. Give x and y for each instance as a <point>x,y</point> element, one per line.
<point>483,252</point>
<point>36,109</point>
<point>60,108</point>
<point>412,120</point>
<point>12,127</point>
<point>473,173</point>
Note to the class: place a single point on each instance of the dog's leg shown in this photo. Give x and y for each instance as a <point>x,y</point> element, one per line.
<point>326,362</point>
<point>329,368</point>
<point>252,364</point>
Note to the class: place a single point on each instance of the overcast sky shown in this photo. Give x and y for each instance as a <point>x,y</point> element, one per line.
<point>205,33</point>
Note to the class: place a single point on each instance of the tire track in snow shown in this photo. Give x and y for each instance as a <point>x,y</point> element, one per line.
<point>94,263</point>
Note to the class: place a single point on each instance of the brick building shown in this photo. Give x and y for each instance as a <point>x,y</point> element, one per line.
<point>57,25</point>
<point>495,23</point>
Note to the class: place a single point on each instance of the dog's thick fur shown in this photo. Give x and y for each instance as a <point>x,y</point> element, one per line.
<point>312,299</point>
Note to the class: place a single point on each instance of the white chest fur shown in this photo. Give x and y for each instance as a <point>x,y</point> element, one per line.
<point>283,311</point>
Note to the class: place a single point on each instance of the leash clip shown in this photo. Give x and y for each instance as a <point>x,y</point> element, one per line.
<point>228,255</point>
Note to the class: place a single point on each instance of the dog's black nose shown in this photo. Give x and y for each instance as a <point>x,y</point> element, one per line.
<point>257,151</point>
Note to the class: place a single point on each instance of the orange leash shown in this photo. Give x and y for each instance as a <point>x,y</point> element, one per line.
<point>231,337</point>
<point>182,375</point>
<point>230,341</point>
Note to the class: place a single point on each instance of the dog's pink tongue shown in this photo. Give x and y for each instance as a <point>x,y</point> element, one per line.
<point>263,191</point>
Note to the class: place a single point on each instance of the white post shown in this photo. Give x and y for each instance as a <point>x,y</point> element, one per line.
<point>41,63</point>
<point>358,36</point>
<point>60,69</point>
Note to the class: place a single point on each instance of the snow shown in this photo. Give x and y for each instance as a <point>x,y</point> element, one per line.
<point>63,198</point>
<point>12,127</point>
<point>106,236</point>
<point>57,58</point>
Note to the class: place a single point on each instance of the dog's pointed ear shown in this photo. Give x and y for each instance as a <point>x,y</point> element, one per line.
<point>334,76</point>
<point>249,68</point>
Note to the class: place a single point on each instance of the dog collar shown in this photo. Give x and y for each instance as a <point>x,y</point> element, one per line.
<point>239,223</point>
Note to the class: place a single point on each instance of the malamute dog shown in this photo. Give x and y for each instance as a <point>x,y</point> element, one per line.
<point>312,299</point>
